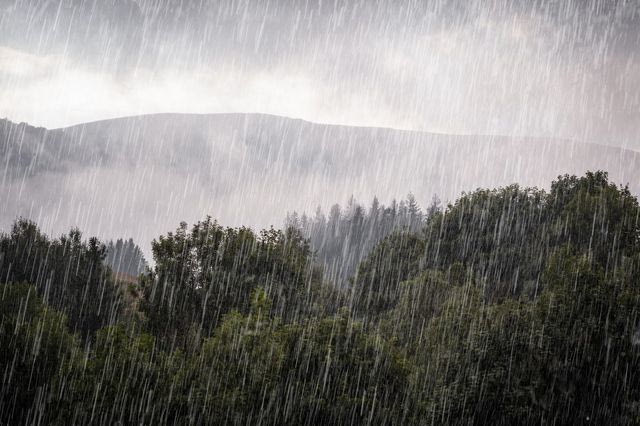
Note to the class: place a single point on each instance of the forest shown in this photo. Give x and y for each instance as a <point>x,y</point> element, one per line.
<point>508,306</point>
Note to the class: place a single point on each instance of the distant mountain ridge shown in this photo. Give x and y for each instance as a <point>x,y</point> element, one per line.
<point>139,176</point>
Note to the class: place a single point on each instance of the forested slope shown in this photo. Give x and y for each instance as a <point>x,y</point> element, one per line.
<point>509,306</point>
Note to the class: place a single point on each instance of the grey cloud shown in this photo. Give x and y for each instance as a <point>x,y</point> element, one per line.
<point>541,68</point>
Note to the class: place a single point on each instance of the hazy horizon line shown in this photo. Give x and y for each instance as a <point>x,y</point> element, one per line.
<point>329,124</point>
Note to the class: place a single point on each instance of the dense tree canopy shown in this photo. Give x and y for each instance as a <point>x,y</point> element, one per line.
<point>509,306</point>
<point>68,273</point>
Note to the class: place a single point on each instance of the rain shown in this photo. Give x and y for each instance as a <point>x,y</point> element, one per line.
<point>319,212</point>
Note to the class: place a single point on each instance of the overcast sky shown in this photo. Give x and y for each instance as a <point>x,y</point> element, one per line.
<point>537,68</point>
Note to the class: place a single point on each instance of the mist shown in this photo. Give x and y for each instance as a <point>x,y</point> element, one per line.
<point>310,212</point>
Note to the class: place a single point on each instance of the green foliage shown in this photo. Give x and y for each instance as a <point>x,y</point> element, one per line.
<point>587,319</point>
<point>396,259</point>
<point>595,215</point>
<point>36,350</point>
<point>513,306</point>
<point>203,273</point>
<point>526,308</point>
<point>68,273</point>
<point>419,301</point>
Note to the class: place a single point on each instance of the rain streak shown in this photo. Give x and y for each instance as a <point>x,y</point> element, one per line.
<point>319,212</point>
